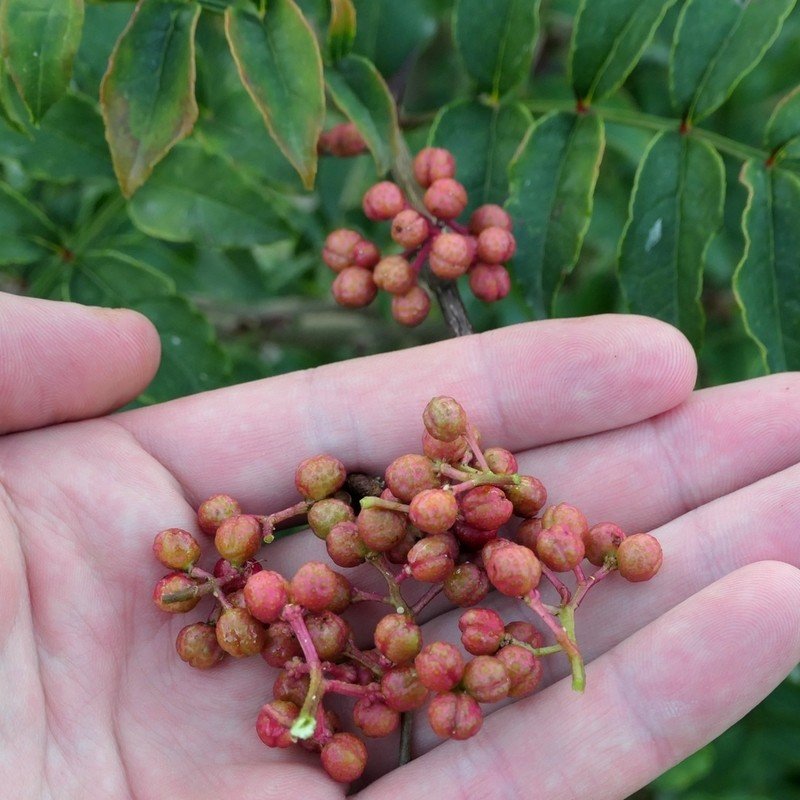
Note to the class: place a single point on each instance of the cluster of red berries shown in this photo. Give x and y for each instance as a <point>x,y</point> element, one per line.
<point>435,519</point>
<point>431,237</point>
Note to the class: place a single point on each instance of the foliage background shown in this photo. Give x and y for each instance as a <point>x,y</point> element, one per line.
<point>220,248</point>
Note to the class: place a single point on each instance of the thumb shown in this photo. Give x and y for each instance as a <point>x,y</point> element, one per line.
<point>62,361</point>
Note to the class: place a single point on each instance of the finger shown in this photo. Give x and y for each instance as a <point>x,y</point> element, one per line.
<point>649,703</point>
<point>62,361</point>
<point>522,386</point>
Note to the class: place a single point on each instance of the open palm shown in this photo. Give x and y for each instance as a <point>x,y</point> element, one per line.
<point>94,701</point>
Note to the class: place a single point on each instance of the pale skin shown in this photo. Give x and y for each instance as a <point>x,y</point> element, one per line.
<point>95,702</point>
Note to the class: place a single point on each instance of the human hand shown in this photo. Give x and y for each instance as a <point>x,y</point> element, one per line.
<point>97,704</point>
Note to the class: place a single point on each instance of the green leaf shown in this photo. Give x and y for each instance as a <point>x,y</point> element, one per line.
<point>717,42</point>
<point>767,280</point>
<point>26,234</point>
<point>496,41</point>
<point>69,145</point>
<point>676,208</point>
<point>195,196</point>
<point>281,67</point>
<point>783,127</point>
<point>342,28</point>
<point>389,31</point>
<point>361,94</point>
<point>483,139</point>
<point>39,40</point>
<point>608,40</point>
<point>147,94</point>
<point>550,199</point>
<point>12,109</point>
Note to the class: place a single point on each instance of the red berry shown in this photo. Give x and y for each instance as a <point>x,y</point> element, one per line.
<point>433,163</point>
<point>601,541</point>
<point>440,666</point>
<point>398,638</point>
<point>431,559</point>
<point>239,634</point>
<point>455,715</point>
<point>639,557</point>
<point>411,308</point>
<point>314,586</point>
<point>374,717</point>
<point>451,255</point>
<point>486,679</point>
<point>176,548</point>
<point>344,757</point>
<point>402,688</point>
<point>383,201</point>
<point>525,632</point>
<point>329,634</point>
<point>410,229</point>
<point>408,475</point>
<point>381,529</point>
<point>324,514</point>
<point>366,255</point>
<point>266,593</point>
<point>489,216</point>
<point>238,538</point>
<point>471,537</point>
<point>523,668</point>
<point>482,631</point>
<point>445,198</point>
<point>214,511</point>
<point>169,584</point>
<point>559,548</point>
<point>291,686</point>
<point>496,245</point>
<point>565,514</point>
<point>466,585</point>
<point>395,275</point>
<point>343,141</point>
<point>344,545</point>
<point>274,722</point>
<point>527,497</point>
<point>319,476</point>
<point>280,645</point>
<point>451,452</point>
<point>433,510</point>
<point>485,507</point>
<point>489,282</point>
<point>354,287</point>
<point>197,645</point>
<point>513,570</point>
<point>339,248</point>
<point>444,419</point>
<point>500,461</point>
<point>528,532</point>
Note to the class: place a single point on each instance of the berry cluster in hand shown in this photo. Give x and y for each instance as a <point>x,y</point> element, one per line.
<point>432,529</point>
<point>429,236</point>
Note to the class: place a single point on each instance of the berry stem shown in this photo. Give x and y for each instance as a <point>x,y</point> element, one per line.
<point>406,726</point>
<point>451,304</point>
<point>558,584</point>
<point>433,592</point>
<point>379,502</point>
<point>395,595</point>
<point>360,596</point>
<point>271,521</point>
<point>563,628</point>
<point>476,450</point>
<point>306,723</point>
<point>587,583</point>
<point>198,590</point>
<point>354,654</point>
<point>537,651</point>
<point>352,689</point>
<point>422,255</point>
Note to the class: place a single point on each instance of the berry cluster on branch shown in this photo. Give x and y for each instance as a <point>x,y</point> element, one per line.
<point>435,519</point>
<point>430,236</point>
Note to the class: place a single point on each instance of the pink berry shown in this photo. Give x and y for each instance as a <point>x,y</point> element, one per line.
<point>527,497</point>
<point>374,717</point>
<point>565,514</point>
<point>410,229</point>
<point>170,584</point>
<point>324,514</point>
<point>451,452</point>
<point>214,511</point>
<point>525,632</point>
<point>433,510</point>
<point>381,529</point>
<point>524,670</point>
<point>471,537</point>
<point>431,559</point>
<point>411,308</point>
<point>383,201</point>
<point>451,255</point>
<point>639,557</point>
<point>602,541</point>
<point>314,586</point>
<point>339,247</point>
<point>496,245</point>
<point>433,163</point>
<point>500,460</point>
<point>528,532</point>
<point>445,419</point>
<point>239,634</point>
<point>329,634</point>
<point>482,631</point>
<point>344,757</point>
<point>354,287</point>
<point>467,585</point>
<point>489,216</point>
<point>280,645</point>
<point>486,679</point>
<point>398,638</point>
<point>266,593</point>
<point>408,475</point>
<point>485,507</point>
<point>344,545</point>
<point>445,198</point>
<point>402,688</point>
<point>366,254</point>
<point>238,538</point>
<point>291,686</point>
<point>489,282</point>
<point>197,645</point>
<point>455,715</point>
<point>513,570</point>
<point>394,275</point>
<point>560,548</point>
<point>319,476</point>
<point>440,666</point>
<point>176,548</point>
<point>274,722</point>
